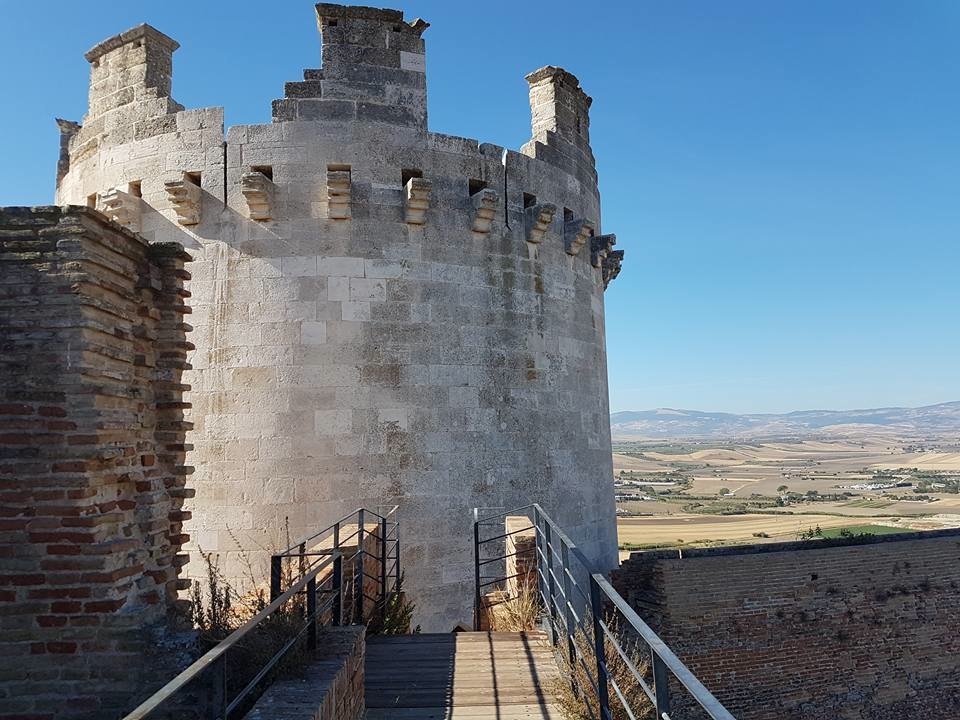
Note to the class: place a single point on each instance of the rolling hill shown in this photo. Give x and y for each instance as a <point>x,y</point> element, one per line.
<point>929,421</point>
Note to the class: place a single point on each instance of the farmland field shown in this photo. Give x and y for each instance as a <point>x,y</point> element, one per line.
<point>729,493</point>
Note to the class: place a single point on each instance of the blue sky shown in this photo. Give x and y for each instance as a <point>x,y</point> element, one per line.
<point>784,176</point>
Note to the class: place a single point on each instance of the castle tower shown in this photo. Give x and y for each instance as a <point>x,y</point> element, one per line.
<point>382,314</point>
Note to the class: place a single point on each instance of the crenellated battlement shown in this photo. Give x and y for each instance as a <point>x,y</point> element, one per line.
<point>132,67</point>
<point>373,74</point>
<point>374,69</point>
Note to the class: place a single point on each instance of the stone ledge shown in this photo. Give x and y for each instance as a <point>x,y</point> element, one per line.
<point>330,688</point>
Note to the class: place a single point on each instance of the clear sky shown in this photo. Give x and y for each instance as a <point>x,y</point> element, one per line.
<point>784,176</point>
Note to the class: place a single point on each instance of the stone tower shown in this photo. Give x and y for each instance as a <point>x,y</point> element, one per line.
<point>382,314</point>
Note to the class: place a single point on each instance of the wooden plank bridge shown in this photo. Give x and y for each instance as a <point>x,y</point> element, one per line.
<point>461,676</point>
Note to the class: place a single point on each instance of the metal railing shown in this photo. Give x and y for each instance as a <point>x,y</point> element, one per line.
<point>316,581</point>
<point>587,621</point>
<point>212,687</point>
<point>351,534</point>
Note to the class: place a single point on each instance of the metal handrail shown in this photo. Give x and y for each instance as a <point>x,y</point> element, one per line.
<point>303,541</point>
<point>554,551</point>
<point>218,653</point>
<point>385,533</point>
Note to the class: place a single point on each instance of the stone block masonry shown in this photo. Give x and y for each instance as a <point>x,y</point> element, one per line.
<point>376,324</point>
<point>92,472</point>
<point>848,629</point>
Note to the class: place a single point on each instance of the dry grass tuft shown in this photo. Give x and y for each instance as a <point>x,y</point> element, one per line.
<point>574,691</point>
<point>520,613</point>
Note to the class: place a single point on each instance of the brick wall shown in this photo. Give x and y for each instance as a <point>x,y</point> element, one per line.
<point>92,476</point>
<point>331,688</point>
<point>832,629</point>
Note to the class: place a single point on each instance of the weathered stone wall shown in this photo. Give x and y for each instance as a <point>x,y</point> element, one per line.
<point>331,688</point>
<point>92,471</point>
<point>812,630</point>
<point>383,314</point>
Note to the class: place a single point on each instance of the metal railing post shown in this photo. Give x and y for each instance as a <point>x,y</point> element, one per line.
<point>383,568</point>
<point>476,575</point>
<point>551,583</point>
<point>276,576</point>
<point>311,614</point>
<point>337,588</point>
<point>661,685</point>
<point>358,571</point>
<point>568,602</point>
<point>218,694</point>
<point>396,569</point>
<point>336,536</point>
<point>599,650</point>
<point>540,554</point>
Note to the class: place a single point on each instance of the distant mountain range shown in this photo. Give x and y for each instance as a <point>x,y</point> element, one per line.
<point>932,420</point>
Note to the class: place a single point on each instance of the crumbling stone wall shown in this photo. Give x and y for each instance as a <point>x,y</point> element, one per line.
<point>92,474</point>
<point>812,630</point>
<point>384,315</point>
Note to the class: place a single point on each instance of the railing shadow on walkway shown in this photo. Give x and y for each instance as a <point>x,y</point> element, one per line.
<point>599,639</point>
<point>460,675</point>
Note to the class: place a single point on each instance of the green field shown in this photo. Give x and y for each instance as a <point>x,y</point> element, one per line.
<point>862,530</point>
<point>869,503</point>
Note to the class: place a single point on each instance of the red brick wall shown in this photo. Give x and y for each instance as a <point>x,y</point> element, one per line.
<point>815,629</point>
<point>92,476</point>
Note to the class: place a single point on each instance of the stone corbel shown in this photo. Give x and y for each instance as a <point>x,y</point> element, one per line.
<point>339,189</point>
<point>485,205</point>
<point>538,219</point>
<point>576,232</point>
<point>611,266</point>
<point>257,190</point>
<point>121,207</point>
<point>417,200</point>
<point>184,194</point>
<point>600,247</point>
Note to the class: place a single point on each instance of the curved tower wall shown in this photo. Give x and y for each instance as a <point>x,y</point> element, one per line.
<point>382,315</point>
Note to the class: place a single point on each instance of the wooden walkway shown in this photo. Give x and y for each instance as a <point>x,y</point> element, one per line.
<point>460,676</point>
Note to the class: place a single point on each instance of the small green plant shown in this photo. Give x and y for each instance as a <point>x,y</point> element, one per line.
<point>397,615</point>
